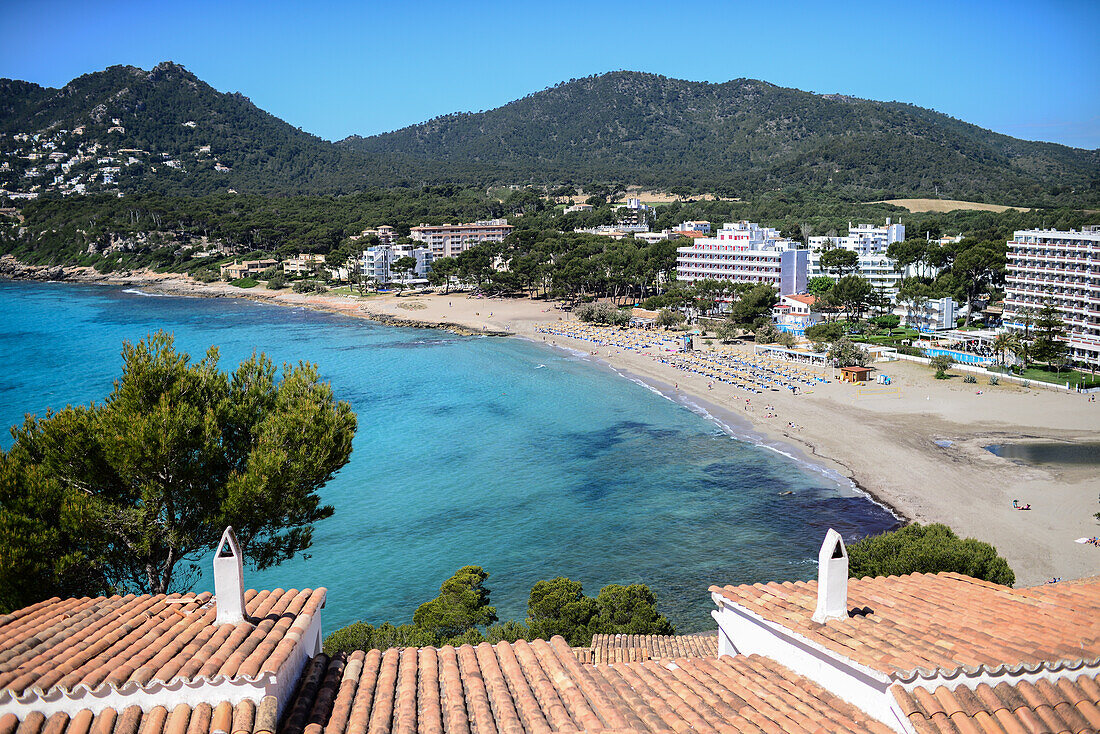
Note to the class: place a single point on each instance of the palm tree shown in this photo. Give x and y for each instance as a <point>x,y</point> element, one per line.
<point>1004,343</point>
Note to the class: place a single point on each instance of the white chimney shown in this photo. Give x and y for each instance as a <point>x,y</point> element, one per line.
<point>229,580</point>
<point>832,579</point>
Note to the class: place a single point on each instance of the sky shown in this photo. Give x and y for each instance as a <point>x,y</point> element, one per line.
<point>1026,69</point>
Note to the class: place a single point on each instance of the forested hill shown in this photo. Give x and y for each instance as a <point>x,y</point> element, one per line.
<point>740,137</point>
<point>166,131</point>
<point>169,114</point>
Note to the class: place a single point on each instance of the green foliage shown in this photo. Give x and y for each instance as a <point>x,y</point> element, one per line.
<point>839,261</point>
<point>743,136</point>
<point>941,363</point>
<point>819,285</point>
<point>245,282</point>
<point>559,607</point>
<point>49,543</point>
<point>602,313</point>
<point>844,353</point>
<point>755,307</point>
<point>827,332</point>
<point>276,281</point>
<point>728,330</point>
<point>1049,345</point>
<point>927,549</point>
<point>628,610</point>
<point>309,286</point>
<point>887,321</point>
<point>766,334</point>
<point>146,481</point>
<point>461,614</point>
<point>462,604</point>
<point>970,379</point>
<point>668,318</point>
<point>994,380</point>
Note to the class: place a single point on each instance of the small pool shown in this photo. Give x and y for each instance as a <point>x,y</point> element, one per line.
<point>1048,453</point>
<point>960,357</point>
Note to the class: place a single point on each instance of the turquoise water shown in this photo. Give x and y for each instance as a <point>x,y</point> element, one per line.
<point>503,453</point>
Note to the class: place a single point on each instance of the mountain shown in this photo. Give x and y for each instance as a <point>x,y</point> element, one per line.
<point>741,136</point>
<point>166,131</point>
<point>164,119</point>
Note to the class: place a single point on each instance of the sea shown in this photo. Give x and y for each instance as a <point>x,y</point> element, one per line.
<point>526,460</point>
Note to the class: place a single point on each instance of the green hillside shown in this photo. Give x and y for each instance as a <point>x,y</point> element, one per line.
<point>170,114</point>
<point>740,137</point>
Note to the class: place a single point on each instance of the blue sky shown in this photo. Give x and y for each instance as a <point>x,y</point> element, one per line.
<point>1028,69</point>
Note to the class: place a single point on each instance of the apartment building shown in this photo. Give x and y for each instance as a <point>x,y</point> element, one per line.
<point>376,263</point>
<point>235,270</point>
<point>879,270</point>
<point>865,239</point>
<point>696,225</point>
<point>303,264</point>
<point>448,240</point>
<point>1062,269</point>
<point>386,234</point>
<point>745,252</point>
<point>870,242</point>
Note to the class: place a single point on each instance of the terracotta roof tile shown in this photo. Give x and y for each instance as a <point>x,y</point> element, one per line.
<point>540,687</point>
<point>1070,705</point>
<point>65,644</point>
<point>900,624</point>
<point>637,648</point>
<point>182,719</point>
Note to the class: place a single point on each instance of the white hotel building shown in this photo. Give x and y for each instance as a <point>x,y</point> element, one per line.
<point>1063,269</point>
<point>745,252</point>
<point>869,242</point>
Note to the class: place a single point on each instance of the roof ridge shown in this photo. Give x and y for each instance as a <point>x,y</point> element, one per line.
<point>959,673</point>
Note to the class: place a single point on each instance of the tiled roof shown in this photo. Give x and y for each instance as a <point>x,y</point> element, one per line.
<point>808,300</point>
<point>1069,705</point>
<point>112,641</point>
<point>223,718</point>
<point>638,648</point>
<point>541,687</point>
<point>912,625</point>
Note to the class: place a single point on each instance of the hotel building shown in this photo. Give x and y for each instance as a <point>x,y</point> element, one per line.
<point>869,242</point>
<point>376,263</point>
<point>448,240</point>
<point>1062,269</point>
<point>865,239</point>
<point>745,252</point>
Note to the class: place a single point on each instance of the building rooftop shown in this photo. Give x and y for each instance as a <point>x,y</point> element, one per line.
<point>541,687</point>
<point>133,642</point>
<point>638,648</point>
<point>224,718</point>
<point>923,624</point>
<point>1069,705</point>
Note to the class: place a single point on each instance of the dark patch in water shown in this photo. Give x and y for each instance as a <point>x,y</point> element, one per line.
<point>1048,453</point>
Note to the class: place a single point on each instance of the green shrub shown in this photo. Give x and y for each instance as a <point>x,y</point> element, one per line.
<point>927,549</point>
<point>245,282</point>
<point>994,380</point>
<point>941,363</point>
<point>602,313</point>
<point>276,281</point>
<point>309,286</point>
<point>970,379</point>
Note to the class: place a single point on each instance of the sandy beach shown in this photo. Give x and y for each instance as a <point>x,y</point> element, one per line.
<point>918,450</point>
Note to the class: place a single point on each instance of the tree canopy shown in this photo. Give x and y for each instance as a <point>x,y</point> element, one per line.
<point>932,548</point>
<point>129,494</point>
<point>462,614</point>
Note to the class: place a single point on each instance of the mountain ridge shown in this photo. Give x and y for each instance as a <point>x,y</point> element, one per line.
<point>739,137</point>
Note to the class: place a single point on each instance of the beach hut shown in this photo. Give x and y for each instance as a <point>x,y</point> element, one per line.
<point>855,374</point>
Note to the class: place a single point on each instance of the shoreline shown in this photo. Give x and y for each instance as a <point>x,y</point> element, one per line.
<point>920,454</point>
<point>726,419</point>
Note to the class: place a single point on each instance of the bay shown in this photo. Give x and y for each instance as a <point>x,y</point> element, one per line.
<point>503,453</point>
